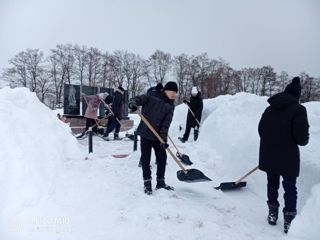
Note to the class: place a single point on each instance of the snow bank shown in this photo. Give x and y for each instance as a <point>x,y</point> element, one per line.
<point>228,147</point>
<point>34,145</point>
<point>306,224</point>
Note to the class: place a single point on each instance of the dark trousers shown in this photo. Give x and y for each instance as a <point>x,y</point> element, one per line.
<point>161,158</point>
<point>290,191</point>
<point>112,124</point>
<point>89,123</point>
<point>187,133</point>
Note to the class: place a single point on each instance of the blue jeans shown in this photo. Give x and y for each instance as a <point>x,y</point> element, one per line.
<point>290,191</point>
<point>112,124</point>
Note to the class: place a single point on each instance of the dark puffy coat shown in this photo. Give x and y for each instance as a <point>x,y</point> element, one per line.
<point>117,105</point>
<point>196,105</point>
<point>283,126</point>
<point>158,111</point>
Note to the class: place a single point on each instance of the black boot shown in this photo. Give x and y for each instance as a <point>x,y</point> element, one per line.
<point>273,213</point>
<point>82,135</point>
<point>116,136</point>
<point>147,187</point>
<point>196,133</point>
<point>162,184</point>
<point>288,217</point>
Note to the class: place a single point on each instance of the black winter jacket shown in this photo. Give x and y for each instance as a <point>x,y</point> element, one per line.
<point>158,111</point>
<point>283,126</point>
<point>117,105</point>
<point>196,105</point>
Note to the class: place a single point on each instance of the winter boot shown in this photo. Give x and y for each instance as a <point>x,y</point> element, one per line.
<point>273,213</point>
<point>196,133</point>
<point>182,139</point>
<point>288,217</point>
<point>116,136</point>
<point>162,184</point>
<point>106,137</point>
<point>82,135</point>
<point>147,187</point>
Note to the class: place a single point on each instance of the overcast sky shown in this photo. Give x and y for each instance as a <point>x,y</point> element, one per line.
<point>246,33</point>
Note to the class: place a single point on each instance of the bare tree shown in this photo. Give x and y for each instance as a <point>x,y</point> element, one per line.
<point>310,88</point>
<point>268,77</point>
<point>160,63</point>
<point>182,72</point>
<point>17,74</point>
<point>282,81</point>
<point>93,66</point>
<point>139,71</point>
<point>45,85</point>
<point>116,64</point>
<point>81,59</point>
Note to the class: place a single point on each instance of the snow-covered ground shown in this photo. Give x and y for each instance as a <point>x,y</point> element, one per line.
<point>49,190</point>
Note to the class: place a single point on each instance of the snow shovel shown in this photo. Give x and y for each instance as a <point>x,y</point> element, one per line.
<point>193,114</point>
<point>106,105</point>
<point>184,175</point>
<point>183,157</point>
<point>237,184</point>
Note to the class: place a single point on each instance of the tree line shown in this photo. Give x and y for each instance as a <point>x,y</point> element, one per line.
<point>74,64</point>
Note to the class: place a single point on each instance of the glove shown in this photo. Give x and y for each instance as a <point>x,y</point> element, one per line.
<point>185,101</point>
<point>164,145</point>
<point>133,106</point>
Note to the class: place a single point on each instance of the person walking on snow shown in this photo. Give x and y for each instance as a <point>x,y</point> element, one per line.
<point>117,108</point>
<point>283,126</point>
<point>196,106</point>
<point>159,112</point>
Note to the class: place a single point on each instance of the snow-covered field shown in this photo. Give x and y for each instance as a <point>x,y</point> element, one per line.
<point>49,190</point>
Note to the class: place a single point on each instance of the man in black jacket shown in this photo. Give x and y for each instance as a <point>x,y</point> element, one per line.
<point>116,115</point>
<point>158,110</point>
<point>196,105</point>
<point>283,126</point>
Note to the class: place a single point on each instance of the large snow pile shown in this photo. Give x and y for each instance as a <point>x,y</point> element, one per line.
<point>33,146</point>
<point>229,145</point>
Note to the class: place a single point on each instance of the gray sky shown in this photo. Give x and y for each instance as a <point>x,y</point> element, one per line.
<point>246,33</point>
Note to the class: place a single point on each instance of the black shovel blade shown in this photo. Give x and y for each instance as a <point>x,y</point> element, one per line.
<point>192,175</point>
<point>231,185</point>
<point>184,159</point>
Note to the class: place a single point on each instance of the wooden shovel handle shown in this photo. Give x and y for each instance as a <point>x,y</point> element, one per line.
<point>174,145</point>
<point>161,140</point>
<point>111,111</point>
<point>193,114</point>
<point>251,171</point>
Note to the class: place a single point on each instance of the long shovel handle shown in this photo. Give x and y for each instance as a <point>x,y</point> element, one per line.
<point>174,145</point>
<point>193,114</point>
<point>161,140</point>
<point>251,171</point>
<point>111,111</point>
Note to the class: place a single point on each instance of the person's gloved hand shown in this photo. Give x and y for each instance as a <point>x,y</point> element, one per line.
<point>185,101</point>
<point>133,106</point>
<point>164,145</point>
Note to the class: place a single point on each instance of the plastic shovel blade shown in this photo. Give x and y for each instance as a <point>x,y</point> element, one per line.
<point>192,175</point>
<point>184,159</point>
<point>231,185</point>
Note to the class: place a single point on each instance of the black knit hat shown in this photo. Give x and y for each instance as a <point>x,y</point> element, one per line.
<point>171,86</point>
<point>294,88</point>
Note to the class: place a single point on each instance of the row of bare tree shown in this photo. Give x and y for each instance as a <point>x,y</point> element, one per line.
<point>73,64</point>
